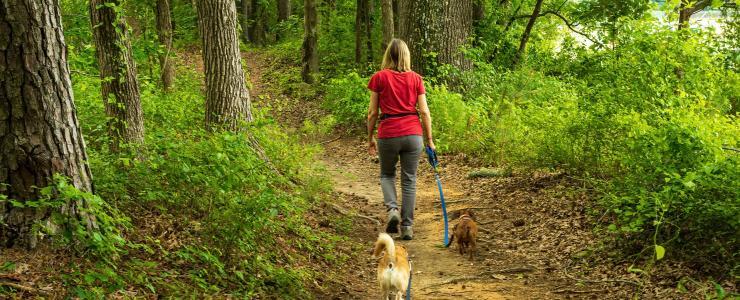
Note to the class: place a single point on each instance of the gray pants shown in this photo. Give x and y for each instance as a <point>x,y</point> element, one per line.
<point>409,149</point>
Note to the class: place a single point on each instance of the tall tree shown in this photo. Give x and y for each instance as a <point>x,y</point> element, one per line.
<point>164,31</point>
<point>527,32</point>
<point>368,18</point>
<point>120,86</point>
<point>258,23</point>
<point>479,14</point>
<point>284,11</point>
<point>227,97</point>
<point>386,7</point>
<point>396,16</point>
<point>432,26</point>
<point>310,42</point>
<point>359,29</point>
<point>39,131</point>
<point>246,16</point>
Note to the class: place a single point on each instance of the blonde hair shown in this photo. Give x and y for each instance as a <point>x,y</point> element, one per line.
<point>397,56</point>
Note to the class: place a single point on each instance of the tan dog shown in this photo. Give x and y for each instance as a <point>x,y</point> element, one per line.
<point>393,267</point>
<point>466,233</point>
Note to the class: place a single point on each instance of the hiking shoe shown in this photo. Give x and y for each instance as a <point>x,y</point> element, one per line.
<point>407,233</point>
<point>393,218</point>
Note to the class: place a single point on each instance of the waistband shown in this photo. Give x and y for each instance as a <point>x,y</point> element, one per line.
<point>388,116</point>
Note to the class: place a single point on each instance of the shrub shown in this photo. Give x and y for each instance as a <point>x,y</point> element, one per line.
<point>348,98</point>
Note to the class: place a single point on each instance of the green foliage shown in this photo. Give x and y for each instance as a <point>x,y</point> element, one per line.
<point>348,99</point>
<point>647,123</point>
<point>79,220</point>
<point>231,207</point>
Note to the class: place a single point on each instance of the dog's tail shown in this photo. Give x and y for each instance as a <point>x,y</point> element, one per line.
<point>385,243</point>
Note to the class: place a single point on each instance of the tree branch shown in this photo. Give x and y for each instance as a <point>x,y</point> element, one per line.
<point>698,6</point>
<point>567,23</point>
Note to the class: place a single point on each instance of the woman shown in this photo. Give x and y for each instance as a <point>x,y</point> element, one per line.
<point>399,93</point>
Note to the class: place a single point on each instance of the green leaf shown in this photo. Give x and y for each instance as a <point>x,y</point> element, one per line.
<point>720,291</point>
<point>659,252</point>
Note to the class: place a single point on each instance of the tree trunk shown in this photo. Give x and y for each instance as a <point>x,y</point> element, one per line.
<point>258,31</point>
<point>396,17</point>
<point>284,10</point>
<point>479,14</point>
<point>246,7</point>
<point>119,86</point>
<point>359,33</point>
<point>387,18</point>
<point>686,11</point>
<point>432,26</point>
<point>527,31</point>
<point>310,42</point>
<point>368,18</point>
<point>458,27</point>
<point>164,31</point>
<point>227,99</point>
<point>39,131</point>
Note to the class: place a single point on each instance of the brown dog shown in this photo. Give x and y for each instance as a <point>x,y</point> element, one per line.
<point>466,233</point>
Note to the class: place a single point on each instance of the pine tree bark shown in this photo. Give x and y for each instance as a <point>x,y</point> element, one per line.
<point>527,32</point>
<point>310,42</point>
<point>120,87</point>
<point>39,130</point>
<point>387,19</point>
<point>228,103</point>
<point>433,26</point>
<point>164,31</point>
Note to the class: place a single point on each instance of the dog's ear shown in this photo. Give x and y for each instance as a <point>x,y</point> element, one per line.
<point>472,215</point>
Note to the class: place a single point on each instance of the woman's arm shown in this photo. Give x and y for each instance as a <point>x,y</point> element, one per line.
<point>372,119</point>
<point>426,120</point>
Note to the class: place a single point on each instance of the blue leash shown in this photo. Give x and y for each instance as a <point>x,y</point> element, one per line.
<point>432,158</point>
<point>408,288</point>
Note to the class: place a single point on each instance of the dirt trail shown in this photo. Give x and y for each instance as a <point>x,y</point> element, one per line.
<point>434,266</point>
<point>533,225</point>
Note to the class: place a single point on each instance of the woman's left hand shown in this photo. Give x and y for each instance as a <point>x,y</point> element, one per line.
<point>372,147</point>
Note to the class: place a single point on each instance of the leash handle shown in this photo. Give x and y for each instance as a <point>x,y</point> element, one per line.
<point>432,157</point>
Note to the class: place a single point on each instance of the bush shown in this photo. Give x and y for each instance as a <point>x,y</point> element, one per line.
<point>348,98</point>
<point>230,211</point>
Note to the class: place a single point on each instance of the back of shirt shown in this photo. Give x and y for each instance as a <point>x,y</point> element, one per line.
<point>398,93</point>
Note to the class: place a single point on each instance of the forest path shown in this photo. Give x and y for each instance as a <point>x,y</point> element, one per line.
<point>533,224</point>
<point>434,268</point>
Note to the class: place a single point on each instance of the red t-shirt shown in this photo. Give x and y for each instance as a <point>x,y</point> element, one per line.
<point>398,93</point>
